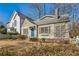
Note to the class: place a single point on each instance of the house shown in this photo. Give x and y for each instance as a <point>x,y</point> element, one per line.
<point>16,21</point>
<point>48,26</point>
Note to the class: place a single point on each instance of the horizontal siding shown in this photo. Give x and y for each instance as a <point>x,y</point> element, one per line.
<point>52,30</point>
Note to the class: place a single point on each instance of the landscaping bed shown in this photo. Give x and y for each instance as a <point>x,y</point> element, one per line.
<point>29,48</point>
<point>60,50</point>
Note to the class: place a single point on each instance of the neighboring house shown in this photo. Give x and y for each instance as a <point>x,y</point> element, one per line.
<point>49,26</point>
<point>16,22</point>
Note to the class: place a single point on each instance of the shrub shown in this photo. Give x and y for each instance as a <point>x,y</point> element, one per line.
<point>13,37</point>
<point>48,40</point>
<point>62,41</point>
<point>56,40</point>
<point>43,39</point>
<point>9,37</point>
<point>33,39</point>
<point>22,37</point>
<point>3,30</point>
<point>66,41</point>
<point>11,33</point>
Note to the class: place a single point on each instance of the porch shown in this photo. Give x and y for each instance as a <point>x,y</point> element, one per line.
<point>31,32</point>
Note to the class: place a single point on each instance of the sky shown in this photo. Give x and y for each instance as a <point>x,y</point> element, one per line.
<point>6,10</point>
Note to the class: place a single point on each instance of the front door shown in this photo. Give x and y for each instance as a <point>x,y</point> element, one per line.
<point>32,32</point>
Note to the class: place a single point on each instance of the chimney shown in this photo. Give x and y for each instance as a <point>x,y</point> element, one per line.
<point>57,13</point>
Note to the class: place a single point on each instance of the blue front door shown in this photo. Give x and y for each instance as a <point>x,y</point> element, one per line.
<point>32,33</point>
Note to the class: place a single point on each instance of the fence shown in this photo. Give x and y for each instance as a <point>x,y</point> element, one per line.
<point>5,36</point>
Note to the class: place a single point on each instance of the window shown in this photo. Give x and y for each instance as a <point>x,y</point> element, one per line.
<point>15,22</point>
<point>15,30</point>
<point>12,24</point>
<point>44,30</point>
<point>60,31</point>
<point>11,29</point>
<point>63,31</point>
<point>25,31</point>
<point>57,31</point>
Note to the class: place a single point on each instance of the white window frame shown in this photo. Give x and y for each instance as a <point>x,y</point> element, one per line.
<point>25,31</point>
<point>60,30</point>
<point>44,30</point>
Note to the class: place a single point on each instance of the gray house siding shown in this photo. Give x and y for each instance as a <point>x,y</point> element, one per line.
<point>52,31</point>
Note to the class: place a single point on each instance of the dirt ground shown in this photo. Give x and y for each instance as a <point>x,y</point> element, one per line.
<point>4,43</point>
<point>10,42</point>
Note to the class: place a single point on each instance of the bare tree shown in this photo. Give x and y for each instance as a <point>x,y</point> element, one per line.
<point>75,19</point>
<point>40,9</point>
<point>35,7</point>
<point>44,9</point>
<point>64,8</point>
<point>70,9</point>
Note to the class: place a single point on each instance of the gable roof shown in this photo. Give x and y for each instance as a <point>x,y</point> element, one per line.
<point>47,19</point>
<point>22,16</point>
<point>51,19</point>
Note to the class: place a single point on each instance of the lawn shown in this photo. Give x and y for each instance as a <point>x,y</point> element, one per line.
<point>30,48</point>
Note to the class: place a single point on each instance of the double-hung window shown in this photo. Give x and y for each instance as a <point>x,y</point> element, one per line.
<point>63,30</point>
<point>15,22</point>
<point>44,30</point>
<point>57,31</point>
<point>25,31</point>
<point>60,31</point>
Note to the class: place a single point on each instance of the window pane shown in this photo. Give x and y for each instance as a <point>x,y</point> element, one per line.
<point>42,30</point>
<point>25,31</point>
<point>46,30</point>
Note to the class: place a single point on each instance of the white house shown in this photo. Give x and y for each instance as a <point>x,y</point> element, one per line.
<point>48,26</point>
<point>16,21</point>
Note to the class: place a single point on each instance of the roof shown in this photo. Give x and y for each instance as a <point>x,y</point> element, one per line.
<point>22,16</point>
<point>50,19</point>
<point>8,22</point>
<point>47,19</point>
